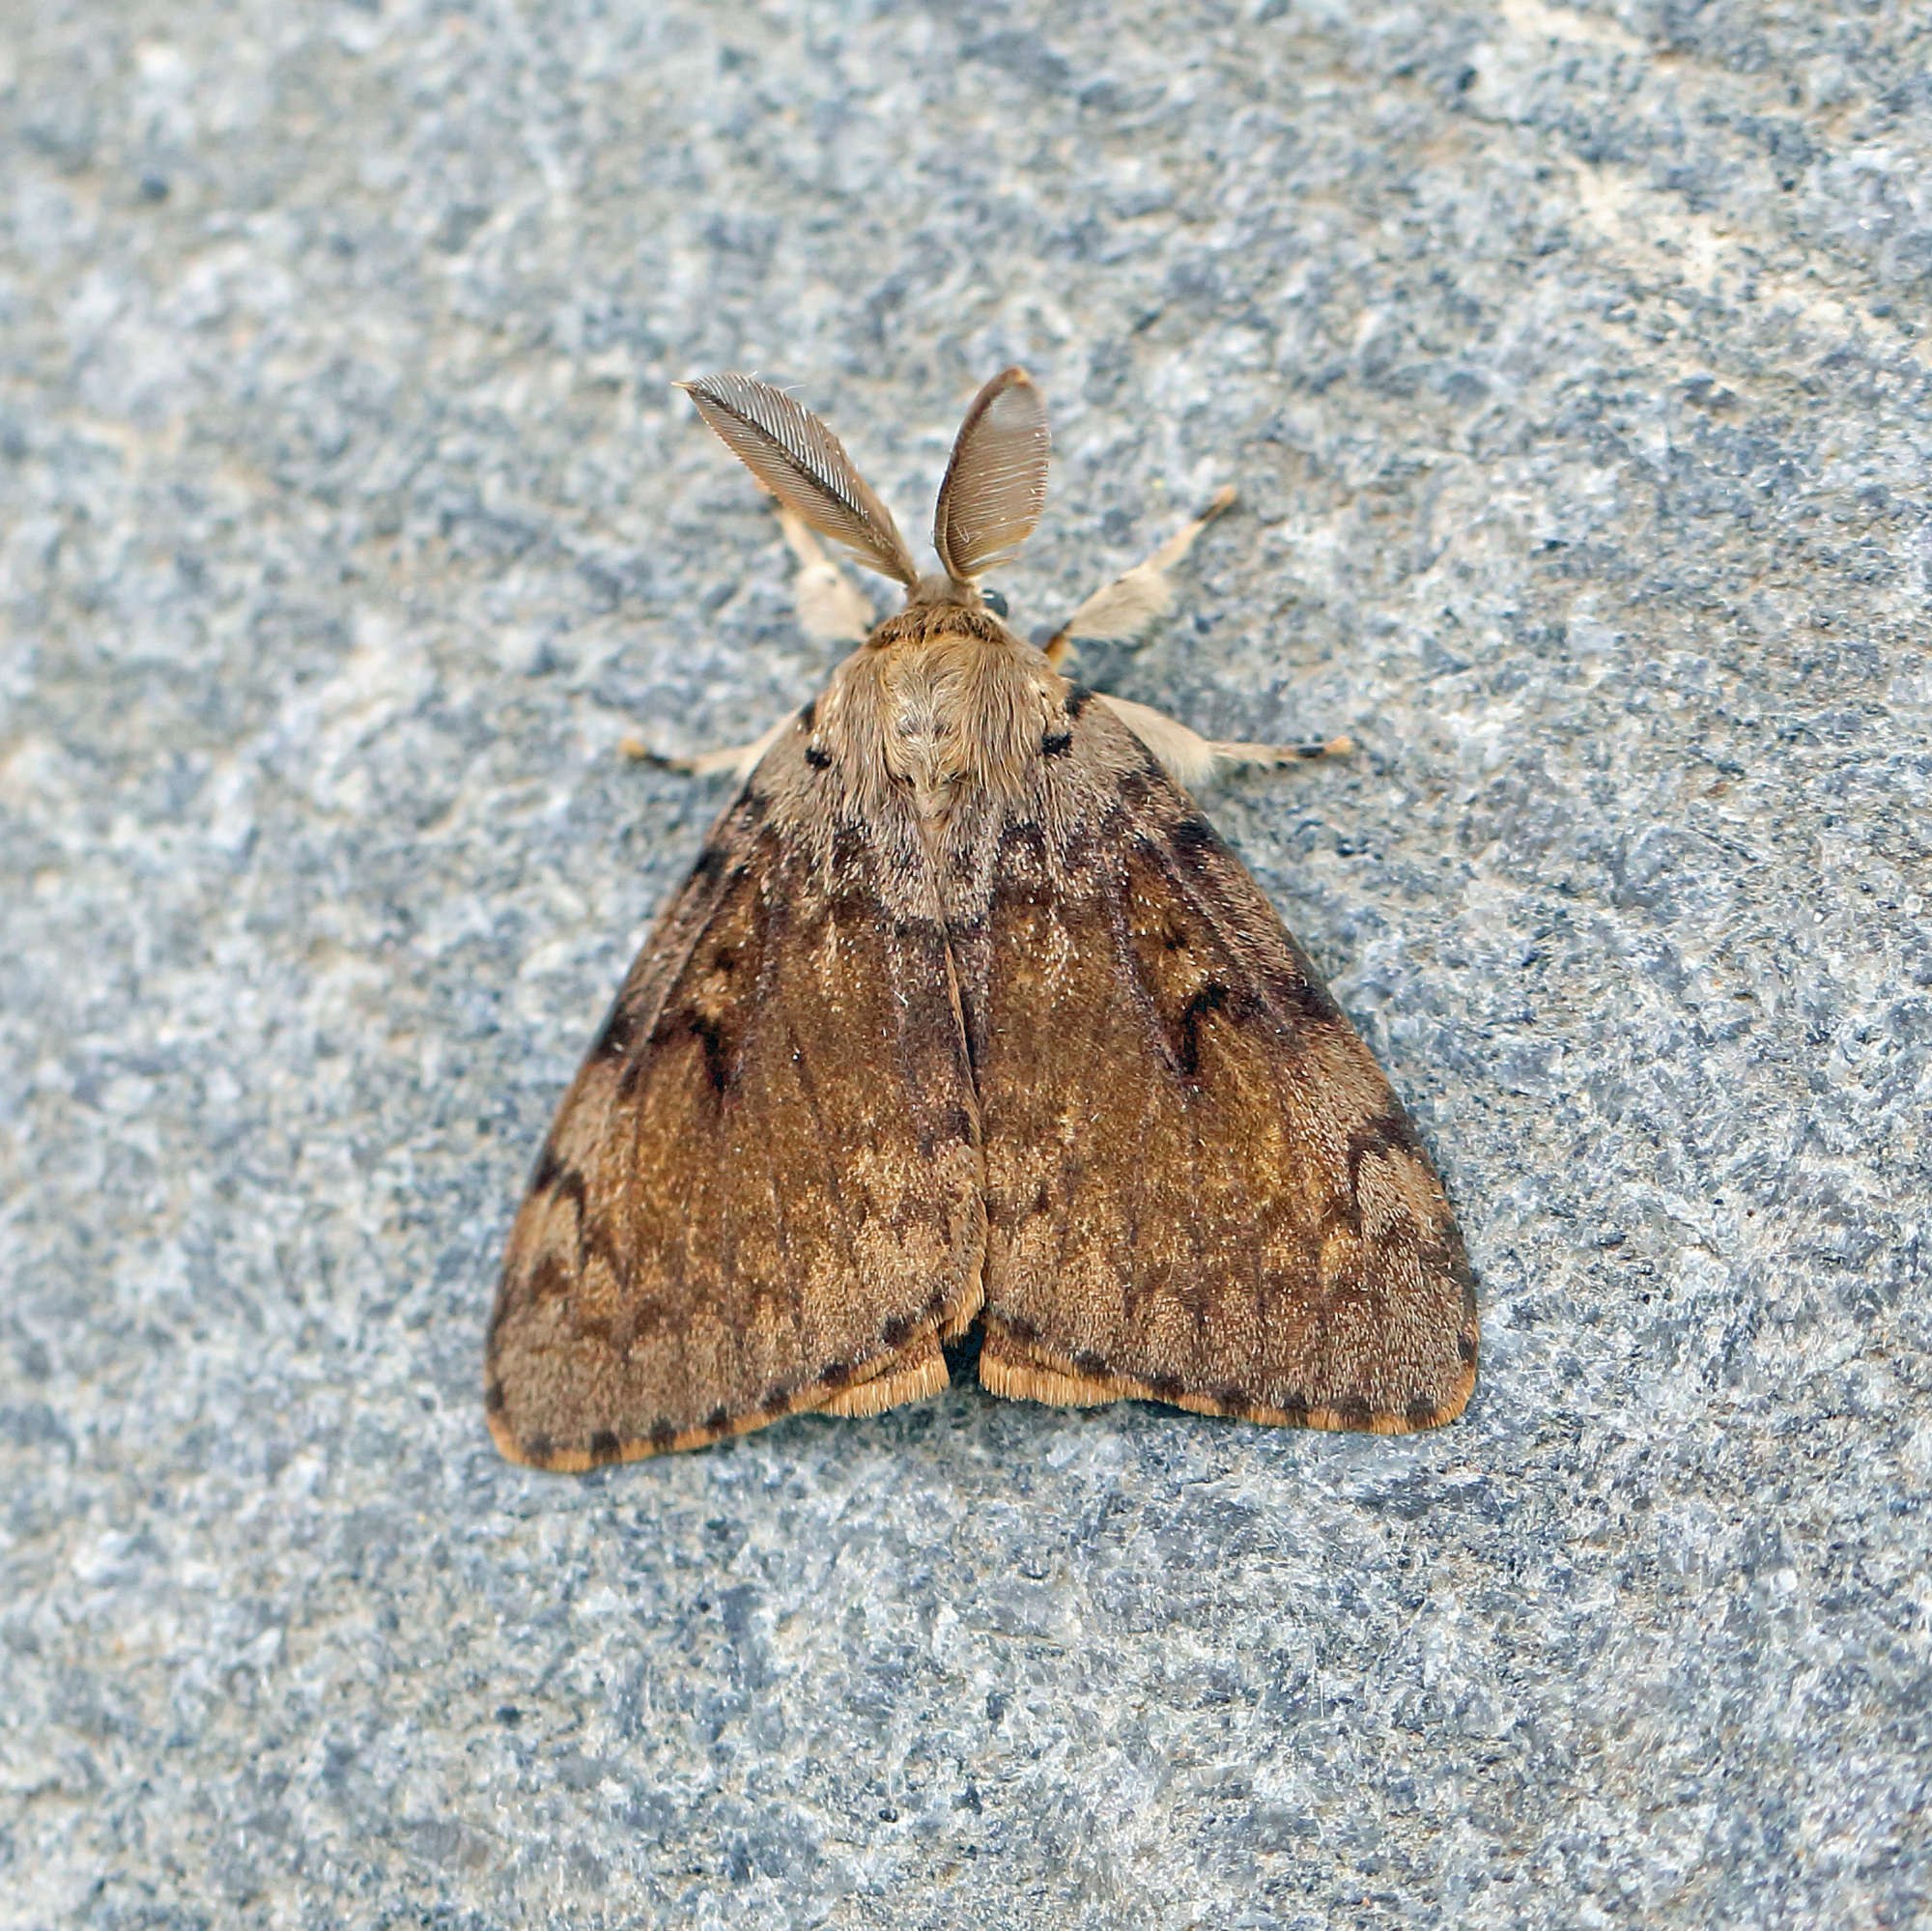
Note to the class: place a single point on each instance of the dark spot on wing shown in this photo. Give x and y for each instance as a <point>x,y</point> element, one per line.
<point>615,1036</point>
<point>599,1243</point>
<point>605,1446</point>
<point>1077,700</point>
<point>893,1333</point>
<point>493,1399</point>
<point>710,863</point>
<point>818,757</point>
<point>777,1400</point>
<point>717,1057</point>
<point>1354,1410</point>
<point>547,1167</point>
<point>1134,791</point>
<point>1211,997</point>
<point>1465,1347</point>
<point>1232,1401</point>
<point>1023,835</point>
<point>571,1187</point>
<point>1168,1387</point>
<point>663,1434</point>
<point>550,1278</point>
<point>1022,868</point>
<point>848,852</point>
<point>835,1373</point>
<point>1421,1412</point>
<point>1093,1366</point>
<point>718,1421</point>
<point>808,716</point>
<point>1301,988</point>
<point>1318,1003</point>
<point>1192,840</point>
<point>689,1022</point>
<point>539,1448</point>
<point>1387,1132</point>
<point>1057,744</point>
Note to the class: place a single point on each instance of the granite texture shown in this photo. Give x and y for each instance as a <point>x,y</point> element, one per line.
<point>1572,363</point>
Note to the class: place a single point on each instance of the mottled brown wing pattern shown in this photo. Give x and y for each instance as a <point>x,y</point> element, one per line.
<point>763,1191</point>
<point>1200,1187</point>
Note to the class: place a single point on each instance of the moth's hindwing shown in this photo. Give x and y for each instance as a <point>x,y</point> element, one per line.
<point>763,1191</point>
<point>1200,1188</point>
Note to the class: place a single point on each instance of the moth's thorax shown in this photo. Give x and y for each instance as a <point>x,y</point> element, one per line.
<point>942,701</point>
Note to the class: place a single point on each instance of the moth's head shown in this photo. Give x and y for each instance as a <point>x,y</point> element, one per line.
<point>991,497</point>
<point>938,590</point>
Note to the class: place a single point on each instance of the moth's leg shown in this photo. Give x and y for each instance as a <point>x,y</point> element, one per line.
<point>740,759</point>
<point>830,608</point>
<point>1124,609</point>
<point>1191,759</point>
<point>1128,605</point>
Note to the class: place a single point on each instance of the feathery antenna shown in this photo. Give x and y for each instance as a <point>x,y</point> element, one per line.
<point>797,457</point>
<point>996,483</point>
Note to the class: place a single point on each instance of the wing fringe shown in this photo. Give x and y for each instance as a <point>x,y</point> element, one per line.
<point>1025,1372</point>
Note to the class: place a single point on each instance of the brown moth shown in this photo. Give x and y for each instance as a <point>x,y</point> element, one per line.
<point>966,1014</point>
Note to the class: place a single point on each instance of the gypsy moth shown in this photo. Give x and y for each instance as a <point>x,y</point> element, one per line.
<point>965,1014</point>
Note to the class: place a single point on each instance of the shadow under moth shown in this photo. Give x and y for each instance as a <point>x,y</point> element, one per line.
<point>965,1015</point>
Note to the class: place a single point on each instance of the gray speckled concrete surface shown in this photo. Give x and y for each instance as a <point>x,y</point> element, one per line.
<point>1573,365</point>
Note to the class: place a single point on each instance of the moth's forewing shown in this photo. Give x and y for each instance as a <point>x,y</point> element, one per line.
<point>763,1192</point>
<point>1200,1187</point>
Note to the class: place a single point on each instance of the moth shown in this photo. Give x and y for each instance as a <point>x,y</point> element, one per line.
<point>965,1015</point>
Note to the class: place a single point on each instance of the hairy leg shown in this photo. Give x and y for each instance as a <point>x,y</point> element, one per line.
<point>1192,759</point>
<point>830,608</point>
<point>1129,605</point>
<point>739,759</point>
